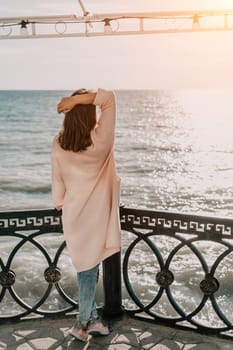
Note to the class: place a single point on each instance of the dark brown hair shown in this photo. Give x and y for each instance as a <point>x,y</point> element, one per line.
<point>77,125</point>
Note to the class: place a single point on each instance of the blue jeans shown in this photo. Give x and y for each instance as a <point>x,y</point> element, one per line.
<point>87,281</point>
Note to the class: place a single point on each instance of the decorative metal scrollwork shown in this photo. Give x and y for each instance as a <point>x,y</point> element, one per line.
<point>52,274</point>
<point>146,228</point>
<point>173,302</point>
<point>34,228</point>
<point>7,278</point>
<point>209,285</point>
<point>164,278</point>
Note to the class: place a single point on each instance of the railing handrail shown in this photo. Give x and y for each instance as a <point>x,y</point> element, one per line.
<point>145,226</point>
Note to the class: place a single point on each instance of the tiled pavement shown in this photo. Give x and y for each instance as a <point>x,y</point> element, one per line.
<point>127,334</point>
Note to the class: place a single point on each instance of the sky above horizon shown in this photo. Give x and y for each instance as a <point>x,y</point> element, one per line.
<point>155,61</point>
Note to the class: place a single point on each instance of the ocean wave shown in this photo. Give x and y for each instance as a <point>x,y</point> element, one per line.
<point>26,188</point>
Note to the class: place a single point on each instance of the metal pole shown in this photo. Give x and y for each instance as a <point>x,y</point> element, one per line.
<point>85,13</point>
<point>112,286</point>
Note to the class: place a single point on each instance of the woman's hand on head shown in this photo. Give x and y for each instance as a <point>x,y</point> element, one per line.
<point>66,104</point>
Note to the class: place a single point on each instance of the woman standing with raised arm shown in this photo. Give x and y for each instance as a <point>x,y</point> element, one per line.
<point>85,186</point>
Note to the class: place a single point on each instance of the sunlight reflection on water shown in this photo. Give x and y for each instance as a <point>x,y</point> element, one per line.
<point>180,151</point>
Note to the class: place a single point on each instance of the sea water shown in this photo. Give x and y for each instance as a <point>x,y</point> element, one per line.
<point>174,152</point>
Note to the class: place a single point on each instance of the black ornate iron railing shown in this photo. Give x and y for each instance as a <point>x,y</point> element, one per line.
<point>203,299</point>
<point>176,268</point>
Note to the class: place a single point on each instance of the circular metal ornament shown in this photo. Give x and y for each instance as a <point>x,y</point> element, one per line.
<point>60,27</point>
<point>52,274</point>
<point>7,278</point>
<point>164,278</point>
<point>209,285</point>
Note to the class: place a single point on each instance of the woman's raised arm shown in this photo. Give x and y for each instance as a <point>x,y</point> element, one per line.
<point>68,103</point>
<point>105,99</point>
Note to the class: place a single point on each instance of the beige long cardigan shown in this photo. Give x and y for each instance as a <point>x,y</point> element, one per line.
<point>85,184</point>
